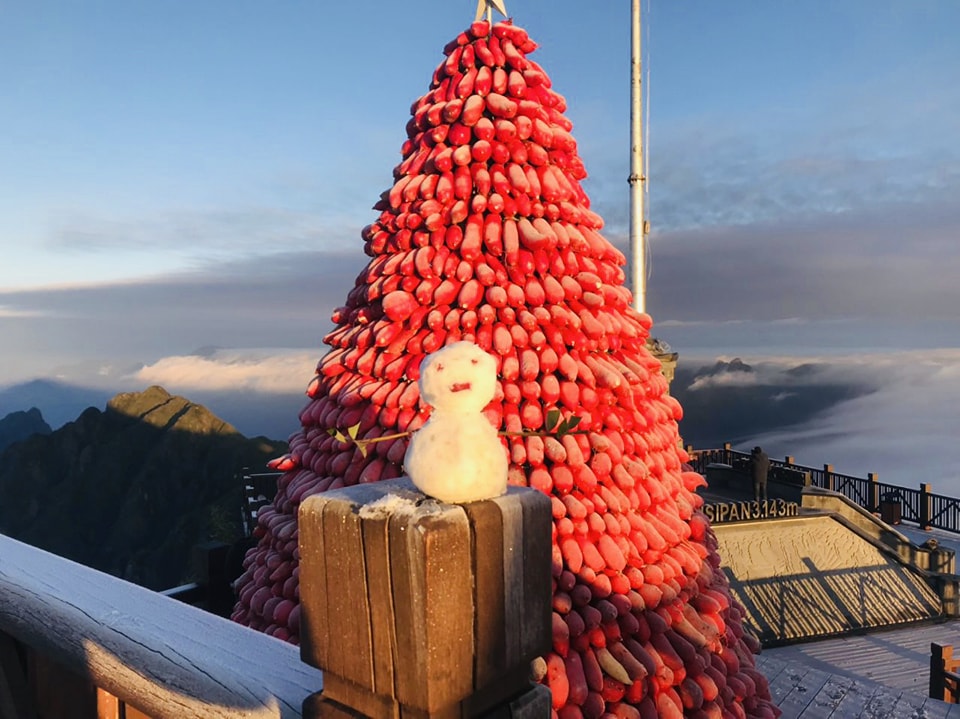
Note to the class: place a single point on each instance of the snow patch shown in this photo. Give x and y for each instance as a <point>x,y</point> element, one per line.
<point>387,506</point>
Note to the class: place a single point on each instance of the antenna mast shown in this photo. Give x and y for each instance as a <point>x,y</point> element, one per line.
<point>638,240</point>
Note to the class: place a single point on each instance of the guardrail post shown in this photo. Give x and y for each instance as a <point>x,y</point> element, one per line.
<point>874,492</point>
<point>788,459</point>
<point>828,482</point>
<point>727,453</point>
<point>417,608</point>
<point>941,662</point>
<point>926,506</point>
<point>212,575</point>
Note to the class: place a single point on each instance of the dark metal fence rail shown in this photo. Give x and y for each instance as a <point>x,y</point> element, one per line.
<point>919,506</point>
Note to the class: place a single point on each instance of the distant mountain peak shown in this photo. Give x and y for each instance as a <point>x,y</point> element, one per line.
<point>722,367</point>
<point>18,426</point>
<point>157,407</point>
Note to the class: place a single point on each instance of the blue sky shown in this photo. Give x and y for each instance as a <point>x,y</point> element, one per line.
<point>181,175</point>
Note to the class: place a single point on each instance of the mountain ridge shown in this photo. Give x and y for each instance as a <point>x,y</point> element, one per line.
<point>20,425</point>
<point>132,488</point>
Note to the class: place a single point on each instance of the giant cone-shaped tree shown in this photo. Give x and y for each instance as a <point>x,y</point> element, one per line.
<point>487,236</point>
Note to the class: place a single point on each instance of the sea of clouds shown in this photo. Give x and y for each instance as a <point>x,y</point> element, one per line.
<point>904,428</point>
<point>904,425</point>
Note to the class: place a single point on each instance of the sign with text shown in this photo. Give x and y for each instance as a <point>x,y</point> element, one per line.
<point>743,511</point>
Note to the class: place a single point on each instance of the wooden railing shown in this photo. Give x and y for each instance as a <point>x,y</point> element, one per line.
<point>104,640</point>
<point>391,585</point>
<point>944,677</point>
<point>919,506</point>
<point>259,489</point>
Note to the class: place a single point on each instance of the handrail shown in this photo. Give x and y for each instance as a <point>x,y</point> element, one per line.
<point>944,679</point>
<point>161,656</point>
<point>919,506</point>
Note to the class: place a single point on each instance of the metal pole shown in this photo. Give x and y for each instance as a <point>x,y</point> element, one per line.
<point>638,249</point>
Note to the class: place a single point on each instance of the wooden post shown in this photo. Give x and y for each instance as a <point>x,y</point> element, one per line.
<point>416,608</point>
<point>926,506</point>
<point>15,697</point>
<point>942,662</point>
<point>874,492</point>
<point>828,482</point>
<point>210,562</point>
<point>788,459</point>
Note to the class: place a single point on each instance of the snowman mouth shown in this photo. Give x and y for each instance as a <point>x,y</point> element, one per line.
<point>459,386</point>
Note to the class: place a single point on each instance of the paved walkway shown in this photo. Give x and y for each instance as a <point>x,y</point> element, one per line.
<point>880,675</point>
<point>805,692</point>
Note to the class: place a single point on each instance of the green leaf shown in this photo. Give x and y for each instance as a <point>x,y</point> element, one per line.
<point>553,417</point>
<point>352,431</point>
<point>338,435</point>
<point>567,426</point>
<point>362,446</point>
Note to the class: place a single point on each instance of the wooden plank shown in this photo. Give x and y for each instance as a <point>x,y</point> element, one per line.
<point>498,695</point>
<point>15,696</point>
<point>804,686</point>
<point>408,604</point>
<point>784,682</point>
<point>770,667</point>
<point>157,654</point>
<point>314,627</point>
<point>131,712</point>
<point>934,709</point>
<point>909,705</point>
<point>886,703</point>
<point>537,611</point>
<point>433,604</point>
<point>486,537</point>
<point>320,707</point>
<point>350,654</point>
<point>57,691</point>
<point>534,704</point>
<point>825,702</point>
<point>512,513</point>
<point>855,701</point>
<point>108,706</point>
<point>445,541</point>
<point>358,699</point>
<point>376,553</point>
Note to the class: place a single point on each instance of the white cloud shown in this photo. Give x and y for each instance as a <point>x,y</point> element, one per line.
<point>7,312</point>
<point>726,379</point>
<point>266,371</point>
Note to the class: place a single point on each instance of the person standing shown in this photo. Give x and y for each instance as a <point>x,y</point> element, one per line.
<point>760,466</point>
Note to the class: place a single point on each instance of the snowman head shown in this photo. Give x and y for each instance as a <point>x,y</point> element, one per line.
<point>459,378</point>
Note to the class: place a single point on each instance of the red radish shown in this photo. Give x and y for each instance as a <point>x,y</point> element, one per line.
<point>484,79</point>
<point>500,105</point>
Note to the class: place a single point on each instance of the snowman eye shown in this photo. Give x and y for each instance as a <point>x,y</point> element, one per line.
<point>439,367</point>
<point>474,361</point>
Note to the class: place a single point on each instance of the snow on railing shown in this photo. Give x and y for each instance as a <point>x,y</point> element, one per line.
<point>155,654</point>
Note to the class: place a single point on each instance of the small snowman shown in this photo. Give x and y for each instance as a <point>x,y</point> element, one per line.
<point>457,456</point>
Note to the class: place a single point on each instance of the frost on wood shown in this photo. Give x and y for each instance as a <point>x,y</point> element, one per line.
<point>487,236</point>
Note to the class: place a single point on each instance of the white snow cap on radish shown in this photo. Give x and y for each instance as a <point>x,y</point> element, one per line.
<point>457,456</point>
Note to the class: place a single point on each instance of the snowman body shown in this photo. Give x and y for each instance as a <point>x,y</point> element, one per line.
<point>457,455</point>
